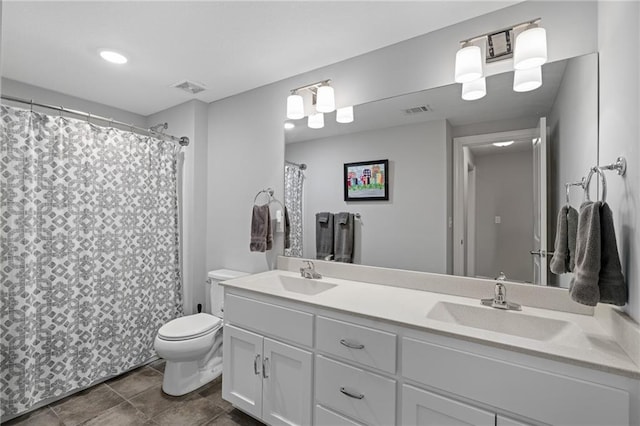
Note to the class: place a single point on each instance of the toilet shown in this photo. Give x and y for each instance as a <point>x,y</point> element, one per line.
<point>192,344</point>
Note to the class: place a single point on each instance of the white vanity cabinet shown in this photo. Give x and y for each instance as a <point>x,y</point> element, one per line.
<point>267,378</point>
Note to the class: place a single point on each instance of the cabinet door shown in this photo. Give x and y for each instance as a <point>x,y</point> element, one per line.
<point>420,407</point>
<point>242,370</point>
<point>287,384</point>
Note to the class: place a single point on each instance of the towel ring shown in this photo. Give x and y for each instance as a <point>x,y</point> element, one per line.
<point>567,186</point>
<point>600,172</point>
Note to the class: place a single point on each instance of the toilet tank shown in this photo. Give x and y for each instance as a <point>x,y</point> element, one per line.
<point>216,293</point>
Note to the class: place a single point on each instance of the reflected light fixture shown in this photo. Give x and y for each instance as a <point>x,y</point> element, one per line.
<point>475,89</point>
<point>316,121</point>
<point>531,48</point>
<point>344,115</point>
<point>325,99</point>
<point>295,106</point>
<point>503,144</point>
<point>289,126</point>
<point>527,80</point>
<point>113,57</point>
<point>468,63</point>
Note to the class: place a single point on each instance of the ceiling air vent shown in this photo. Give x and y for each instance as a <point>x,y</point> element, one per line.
<point>417,110</point>
<point>190,87</point>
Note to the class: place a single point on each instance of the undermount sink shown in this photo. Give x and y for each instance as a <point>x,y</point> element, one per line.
<point>499,321</point>
<point>303,285</point>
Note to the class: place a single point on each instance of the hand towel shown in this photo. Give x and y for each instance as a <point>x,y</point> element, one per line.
<point>613,288</point>
<point>261,237</point>
<point>584,284</point>
<point>572,230</point>
<point>287,230</point>
<point>343,237</point>
<point>324,235</point>
<point>559,263</point>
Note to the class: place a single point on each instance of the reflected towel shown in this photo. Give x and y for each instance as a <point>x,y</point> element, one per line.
<point>613,288</point>
<point>584,284</point>
<point>560,261</point>
<point>261,237</point>
<point>572,231</point>
<point>287,230</point>
<point>324,235</point>
<point>343,237</point>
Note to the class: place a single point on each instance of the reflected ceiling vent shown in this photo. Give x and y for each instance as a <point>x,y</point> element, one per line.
<point>190,87</point>
<point>417,110</point>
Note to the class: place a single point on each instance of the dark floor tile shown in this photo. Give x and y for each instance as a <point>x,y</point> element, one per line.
<point>153,401</point>
<point>40,417</point>
<point>123,414</point>
<point>136,381</point>
<point>191,412</point>
<point>213,392</point>
<point>86,405</point>
<point>243,419</point>
<point>158,365</point>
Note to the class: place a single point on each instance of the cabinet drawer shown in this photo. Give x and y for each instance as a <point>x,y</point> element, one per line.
<point>326,417</point>
<point>373,397</point>
<point>512,387</point>
<point>368,346</point>
<point>288,324</point>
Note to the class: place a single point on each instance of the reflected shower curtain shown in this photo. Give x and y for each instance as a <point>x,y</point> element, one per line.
<point>293,183</point>
<point>89,253</point>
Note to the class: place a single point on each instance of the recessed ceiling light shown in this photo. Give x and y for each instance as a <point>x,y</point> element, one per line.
<point>501,144</point>
<point>113,57</point>
<point>289,126</point>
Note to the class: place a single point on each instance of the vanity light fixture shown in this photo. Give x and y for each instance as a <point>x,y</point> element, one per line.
<point>295,106</point>
<point>344,115</point>
<point>316,121</point>
<point>113,57</point>
<point>325,99</point>
<point>529,53</point>
<point>503,144</point>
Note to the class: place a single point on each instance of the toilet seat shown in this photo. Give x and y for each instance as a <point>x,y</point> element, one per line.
<point>189,327</point>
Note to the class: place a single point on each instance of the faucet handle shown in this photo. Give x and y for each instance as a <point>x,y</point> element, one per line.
<point>501,276</point>
<point>310,264</point>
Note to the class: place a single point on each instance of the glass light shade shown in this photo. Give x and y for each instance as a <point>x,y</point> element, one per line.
<point>325,100</point>
<point>344,115</point>
<point>475,89</point>
<point>289,126</point>
<point>530,49</point>
<point>113,57</point>
<point>468,64</point>
<point>295,107</point>
<point>316,121</point>
<point>527,80</point>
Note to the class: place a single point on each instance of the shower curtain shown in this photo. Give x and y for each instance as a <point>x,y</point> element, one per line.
<point>293,184</point>
<point>89,252</point>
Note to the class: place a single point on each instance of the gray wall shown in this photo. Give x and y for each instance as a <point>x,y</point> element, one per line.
<point>504,187</point>
<point>409,231</point>
<point>619,47</point>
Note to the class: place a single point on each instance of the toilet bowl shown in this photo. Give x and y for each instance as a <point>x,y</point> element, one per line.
<point>192,344</point>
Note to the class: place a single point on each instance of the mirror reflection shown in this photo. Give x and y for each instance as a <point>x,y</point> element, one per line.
<point>460,200</point>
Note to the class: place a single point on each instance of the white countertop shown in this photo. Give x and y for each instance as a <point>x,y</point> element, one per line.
<point>585,343</point>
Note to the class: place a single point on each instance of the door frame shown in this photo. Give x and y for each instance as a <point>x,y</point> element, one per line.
<point>459,243</point>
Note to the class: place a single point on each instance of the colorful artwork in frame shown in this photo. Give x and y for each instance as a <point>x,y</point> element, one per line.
<point>366,181</point>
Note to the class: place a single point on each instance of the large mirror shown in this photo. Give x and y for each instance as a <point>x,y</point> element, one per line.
<point>457,202</point>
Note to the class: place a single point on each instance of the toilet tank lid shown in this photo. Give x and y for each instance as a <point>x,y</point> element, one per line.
<point>226,274</point>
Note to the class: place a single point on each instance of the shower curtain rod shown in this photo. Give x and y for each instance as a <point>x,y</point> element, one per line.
<point>183,141</point>
<point>300,166</point>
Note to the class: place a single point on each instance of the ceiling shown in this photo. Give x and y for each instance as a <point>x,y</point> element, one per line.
<point>229,46</point>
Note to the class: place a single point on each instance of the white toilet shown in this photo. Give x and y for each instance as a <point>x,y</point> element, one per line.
<point>192,345</point>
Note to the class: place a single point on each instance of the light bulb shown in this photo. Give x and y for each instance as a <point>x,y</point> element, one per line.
<point>316,121</point>
<point>344,115</point>
<point>530,49</point>
<point>295,107</point>
<point>468,64</point>
<point>289,126</point>
<point>527,80</point>
<point>113,57</point>
<point>475,89</point>
<point>325,100</point>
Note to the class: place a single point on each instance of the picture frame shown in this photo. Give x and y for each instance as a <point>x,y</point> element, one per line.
<point>366,181</point>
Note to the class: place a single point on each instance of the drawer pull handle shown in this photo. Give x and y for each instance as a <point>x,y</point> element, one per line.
<point>348,344</point>
<point>255,365</point>
<point>351,395</point>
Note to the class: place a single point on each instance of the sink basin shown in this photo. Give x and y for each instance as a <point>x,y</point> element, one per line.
<point>303,285</point>
<point>499,321</point>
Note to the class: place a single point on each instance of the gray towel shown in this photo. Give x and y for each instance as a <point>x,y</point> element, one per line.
<point>324,235</point>
<point>343,237</point>
<point>287,230</point>
<point>261,237</point>
<point>584,284</point>
<point>613,288</point>
<point>559,263</point>
<point>572,231</point>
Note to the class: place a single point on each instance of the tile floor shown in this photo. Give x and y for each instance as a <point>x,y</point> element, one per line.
<point>136,398</point>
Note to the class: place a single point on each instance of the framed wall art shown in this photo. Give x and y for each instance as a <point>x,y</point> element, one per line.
<point>366,180</point>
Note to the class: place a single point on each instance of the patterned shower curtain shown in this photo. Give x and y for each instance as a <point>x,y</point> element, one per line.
<point>89,252</point>
<point>293,184</point>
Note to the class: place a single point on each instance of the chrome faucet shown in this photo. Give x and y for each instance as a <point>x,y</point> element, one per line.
<point>310,271</point>
<point>499,300</point>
